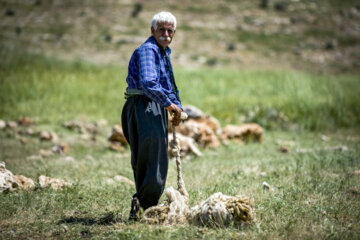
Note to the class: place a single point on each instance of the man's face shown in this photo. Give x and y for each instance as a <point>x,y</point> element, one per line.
<point>163,32</point>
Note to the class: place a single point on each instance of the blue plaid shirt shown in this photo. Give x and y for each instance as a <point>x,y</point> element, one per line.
<point>148,72</point>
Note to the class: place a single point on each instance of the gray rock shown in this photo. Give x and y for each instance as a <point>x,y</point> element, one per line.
<point>193,112</point>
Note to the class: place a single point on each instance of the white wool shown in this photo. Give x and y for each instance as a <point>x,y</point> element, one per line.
<point>178,206</point>
<point>173,211</point>
<point>187,145</point>
<point>212,210</point>
<point>7,182</point>
<point>218,210</point>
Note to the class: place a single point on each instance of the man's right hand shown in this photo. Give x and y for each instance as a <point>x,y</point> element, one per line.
<point>175,112</point>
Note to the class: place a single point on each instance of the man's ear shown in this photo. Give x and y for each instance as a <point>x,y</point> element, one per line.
<point>174,32</point>
<point>152,30</point>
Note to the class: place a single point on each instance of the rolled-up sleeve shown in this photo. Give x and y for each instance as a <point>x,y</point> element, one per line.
<point>175,100</point>
<point>149,77</point>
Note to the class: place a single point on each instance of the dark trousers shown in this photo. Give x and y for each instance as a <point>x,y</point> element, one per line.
<point>145,126</point>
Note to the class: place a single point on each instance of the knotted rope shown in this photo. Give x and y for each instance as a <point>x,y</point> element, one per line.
<point>175,148</point>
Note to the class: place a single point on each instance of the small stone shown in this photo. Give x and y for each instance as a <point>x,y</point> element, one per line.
<point>60,148</point>
<point>68,159</point>
<point>284,149</point>
<point>12,124</point>
<point>265,186</point>
<point>303,150</point>
<point>29,132</point>
<point>263,174</point>
<point>48,136</point>
<point>325,138</point>
<point>2,124</point>
<point>45,136</point>
<point>85,136</point>
<point>65,228</point>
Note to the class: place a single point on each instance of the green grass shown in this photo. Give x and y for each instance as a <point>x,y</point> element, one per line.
<point>312,195</point>
<point>315,194</point>
<point>54,92</point>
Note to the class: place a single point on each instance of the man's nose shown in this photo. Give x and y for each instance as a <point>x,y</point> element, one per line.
<point>166,33</point>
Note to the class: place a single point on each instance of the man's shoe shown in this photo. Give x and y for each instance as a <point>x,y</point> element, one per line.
<point>135,210</point>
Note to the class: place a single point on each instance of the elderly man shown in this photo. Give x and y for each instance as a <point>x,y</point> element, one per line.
<point>150,94</point>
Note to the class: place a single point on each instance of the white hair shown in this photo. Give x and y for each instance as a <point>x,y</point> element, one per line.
<point>163,17</point>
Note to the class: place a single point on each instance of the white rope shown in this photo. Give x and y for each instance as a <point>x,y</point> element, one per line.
<point>175,148</point>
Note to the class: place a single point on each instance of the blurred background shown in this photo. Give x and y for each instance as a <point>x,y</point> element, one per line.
<point>273,62</point>
<point>311,35</point>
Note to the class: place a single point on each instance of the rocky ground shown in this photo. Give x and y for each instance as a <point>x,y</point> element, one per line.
<point>321,36</point>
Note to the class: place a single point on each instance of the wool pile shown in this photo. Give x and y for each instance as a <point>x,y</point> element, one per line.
<point>218,210</point>
<point>173,211</point>
<point>198,130</point>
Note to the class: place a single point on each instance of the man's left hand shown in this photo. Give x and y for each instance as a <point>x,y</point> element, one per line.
<point>175,113</point>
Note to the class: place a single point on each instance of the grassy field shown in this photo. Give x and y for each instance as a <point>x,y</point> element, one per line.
<point>315,188</point>
<point>54,92</point>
